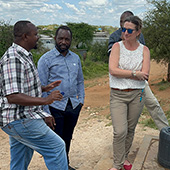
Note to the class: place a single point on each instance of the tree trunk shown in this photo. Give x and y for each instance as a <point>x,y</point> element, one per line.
<point>168,75</point>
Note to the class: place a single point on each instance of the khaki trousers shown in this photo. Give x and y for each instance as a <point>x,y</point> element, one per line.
<point>125,108</point>
<point>154,108</point>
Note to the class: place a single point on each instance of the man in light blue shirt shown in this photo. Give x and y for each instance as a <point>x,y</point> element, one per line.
<point>62,64</point>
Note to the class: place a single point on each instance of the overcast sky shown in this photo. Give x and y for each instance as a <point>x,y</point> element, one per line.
<point>93,12</point>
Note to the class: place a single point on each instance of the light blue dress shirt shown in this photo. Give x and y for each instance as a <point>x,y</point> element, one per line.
<point>54,66</point>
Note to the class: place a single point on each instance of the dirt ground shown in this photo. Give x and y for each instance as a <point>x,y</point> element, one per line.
<point>93,133</point>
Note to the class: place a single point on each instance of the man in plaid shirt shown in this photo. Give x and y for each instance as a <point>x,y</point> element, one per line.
<point>21,116</point>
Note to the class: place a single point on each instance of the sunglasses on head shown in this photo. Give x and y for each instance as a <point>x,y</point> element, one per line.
<point>128,30</point>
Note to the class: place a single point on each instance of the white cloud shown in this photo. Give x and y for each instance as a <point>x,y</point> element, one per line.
<point>71,6</point>
<point>94,3</point>
<point>50,8</point>
<point>110,10</point>
<point>77,11</point>
<point>17,5</point>
<point>94,12</point>
<point>4,5</point>
<point>23,1</point>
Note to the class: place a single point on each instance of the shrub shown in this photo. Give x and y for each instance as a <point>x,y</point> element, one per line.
<point>98,52</point>
<point>94,69</point>
<point>6,36</point>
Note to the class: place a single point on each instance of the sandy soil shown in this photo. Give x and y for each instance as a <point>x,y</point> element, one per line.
<point>93,133</point>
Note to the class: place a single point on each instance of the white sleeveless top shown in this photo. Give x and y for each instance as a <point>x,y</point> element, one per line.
<point>129,60</point>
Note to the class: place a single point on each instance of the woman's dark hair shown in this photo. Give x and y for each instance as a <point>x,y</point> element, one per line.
<point>135,20</point>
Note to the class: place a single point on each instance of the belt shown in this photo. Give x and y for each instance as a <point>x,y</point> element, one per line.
<point>126,90</point>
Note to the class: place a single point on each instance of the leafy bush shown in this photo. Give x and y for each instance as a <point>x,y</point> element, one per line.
<point>38,52</point>
<point>94,69</point>
<point>98,52</point>
<point>6,36</point>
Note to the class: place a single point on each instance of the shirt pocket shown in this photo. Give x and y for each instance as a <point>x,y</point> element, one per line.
<point>57,69</point>
<point>73,68</point>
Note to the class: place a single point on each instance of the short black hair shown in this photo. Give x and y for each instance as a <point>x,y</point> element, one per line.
<point>64,27</point>
<point>128,12</point>
<point>20,28</point>
<point>124,15</point>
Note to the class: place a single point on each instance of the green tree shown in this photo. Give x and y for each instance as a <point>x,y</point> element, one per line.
<point>157,31</point>
<point>6,36</point>
<point>82,34</point>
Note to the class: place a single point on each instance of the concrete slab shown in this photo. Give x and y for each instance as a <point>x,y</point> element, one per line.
<point>106,161</point>
<point>145,159</point>
<point>143,152</point>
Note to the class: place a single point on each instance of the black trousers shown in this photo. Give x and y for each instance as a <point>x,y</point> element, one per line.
<point>66,122</point>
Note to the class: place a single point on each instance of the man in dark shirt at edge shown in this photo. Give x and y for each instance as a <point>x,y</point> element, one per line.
<point>116,36</point>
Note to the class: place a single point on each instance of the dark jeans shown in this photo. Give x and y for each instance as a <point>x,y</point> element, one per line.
<point>65,122</point>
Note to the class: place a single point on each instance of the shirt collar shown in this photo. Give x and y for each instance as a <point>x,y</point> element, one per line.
<point>21,49</point>
<point>58,53</point>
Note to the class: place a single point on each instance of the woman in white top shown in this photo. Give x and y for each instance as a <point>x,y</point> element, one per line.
<point>129,65</point>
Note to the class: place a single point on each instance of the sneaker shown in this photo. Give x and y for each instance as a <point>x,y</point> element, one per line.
<point>70,168</point>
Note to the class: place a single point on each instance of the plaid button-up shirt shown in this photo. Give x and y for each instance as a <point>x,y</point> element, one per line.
<point>18,74</point>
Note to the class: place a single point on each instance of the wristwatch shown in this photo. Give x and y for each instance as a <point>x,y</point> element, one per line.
<point>134,73</point>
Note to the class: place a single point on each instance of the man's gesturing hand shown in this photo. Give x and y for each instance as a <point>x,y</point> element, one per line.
<point>54,95</point>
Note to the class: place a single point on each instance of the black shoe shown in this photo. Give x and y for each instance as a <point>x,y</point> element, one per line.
<point>70,168</point>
